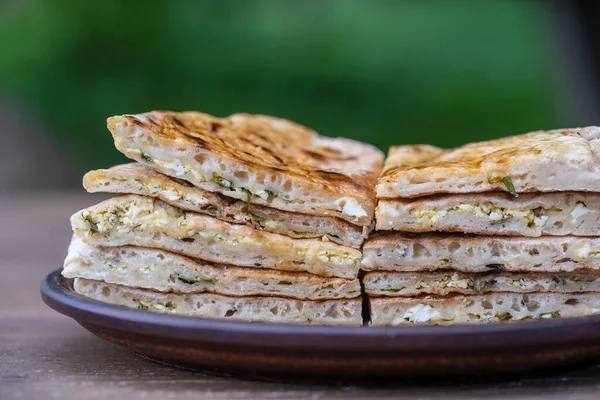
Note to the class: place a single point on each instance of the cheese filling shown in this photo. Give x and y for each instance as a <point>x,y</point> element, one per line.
<point>579,211</point>
<point>350,207</point>
<point>418,314</point>
<point>534,218</point>
<point>174,222</point>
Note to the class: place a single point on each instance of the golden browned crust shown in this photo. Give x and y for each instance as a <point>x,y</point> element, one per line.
<point>262,152</point>
<point>556,160</point>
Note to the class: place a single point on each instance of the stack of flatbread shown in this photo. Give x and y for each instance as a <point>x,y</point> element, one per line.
<point>246,217</point>
<point>499,230</point>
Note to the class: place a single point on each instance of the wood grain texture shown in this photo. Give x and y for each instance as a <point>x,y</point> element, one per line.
<point>46,355</point>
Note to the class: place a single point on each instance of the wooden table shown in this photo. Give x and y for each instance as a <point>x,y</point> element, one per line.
<point>46,355</point>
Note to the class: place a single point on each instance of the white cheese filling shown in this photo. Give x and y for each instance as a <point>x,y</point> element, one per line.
<point>533,218</point>
<point>455,282</point>
<point>350,207</point>
<point>579,211</point>
<point>174,224</point>
<point>418,314</point>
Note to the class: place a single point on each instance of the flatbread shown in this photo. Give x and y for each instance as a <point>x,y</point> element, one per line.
<point>426,252</point>
<point>140,179</point>
<point>531,214</point>
<point>404,311</point>
<point>542,161</point>
<point>134,220</point>
<point>443,283</point>
<point>163,271</point>
<point>259,159</point>
<point>208,305</point>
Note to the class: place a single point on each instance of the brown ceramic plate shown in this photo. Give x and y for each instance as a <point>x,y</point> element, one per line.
<point>341,353</point>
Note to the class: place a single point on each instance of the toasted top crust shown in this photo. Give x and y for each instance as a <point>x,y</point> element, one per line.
<point>262,159</point>
<point>541,161</point>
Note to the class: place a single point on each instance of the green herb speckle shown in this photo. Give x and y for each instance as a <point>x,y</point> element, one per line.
<point>509,186</point>
<point>504,316</point>
<point>91,225</point>
<point>482,286</point>
<point>501,220</point>
<point>211,209</point>
<point>224,183</point>
<point>507,181</point>
<point>230,312</point>
<point>394,290</point>
<point>248,198</point>
<point>190,280</point>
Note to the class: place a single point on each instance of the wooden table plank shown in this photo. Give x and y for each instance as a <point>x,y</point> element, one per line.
<point>46,355</point>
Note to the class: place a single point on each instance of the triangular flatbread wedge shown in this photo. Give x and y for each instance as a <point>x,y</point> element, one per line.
<point>443,283</point>
<point>542,161</point>
<point>259,159</point>
<point>134,220</point>
<point>208,305</point>
<point>496,307</point>
<point>394,251</point>
<point>163,271</point>
<point>495,213</point>
<point>140,179</point>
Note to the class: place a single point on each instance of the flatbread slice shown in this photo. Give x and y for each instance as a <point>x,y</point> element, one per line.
<point>393,251</point>
<point>140,179</point>
<point>208,305</point>
<point>443,283</point>
<point>560,213</point>
<point>259,159</point>
<point>542,161</point>
<point>405,311</point>
<point>163,271</point>
<point>134,220</point>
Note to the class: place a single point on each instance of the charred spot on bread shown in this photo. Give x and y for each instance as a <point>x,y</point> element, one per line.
<point>215,126</point>
<point>177,121</point>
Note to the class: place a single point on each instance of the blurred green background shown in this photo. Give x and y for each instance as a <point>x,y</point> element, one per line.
<point>386,72</point>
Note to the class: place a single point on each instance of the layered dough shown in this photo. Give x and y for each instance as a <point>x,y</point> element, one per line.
<point>493,307</point>
<point>397,251</point>
<point>543,161</point>
<point>446,283</point>
<point>208,305</point>
<point>167,272</point>
<point>259,159</point>
<point>147,222</point>
<point>563,213</point>
<point>139,179</point>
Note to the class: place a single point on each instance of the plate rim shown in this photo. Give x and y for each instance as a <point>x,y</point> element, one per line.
<point>58,295</point>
